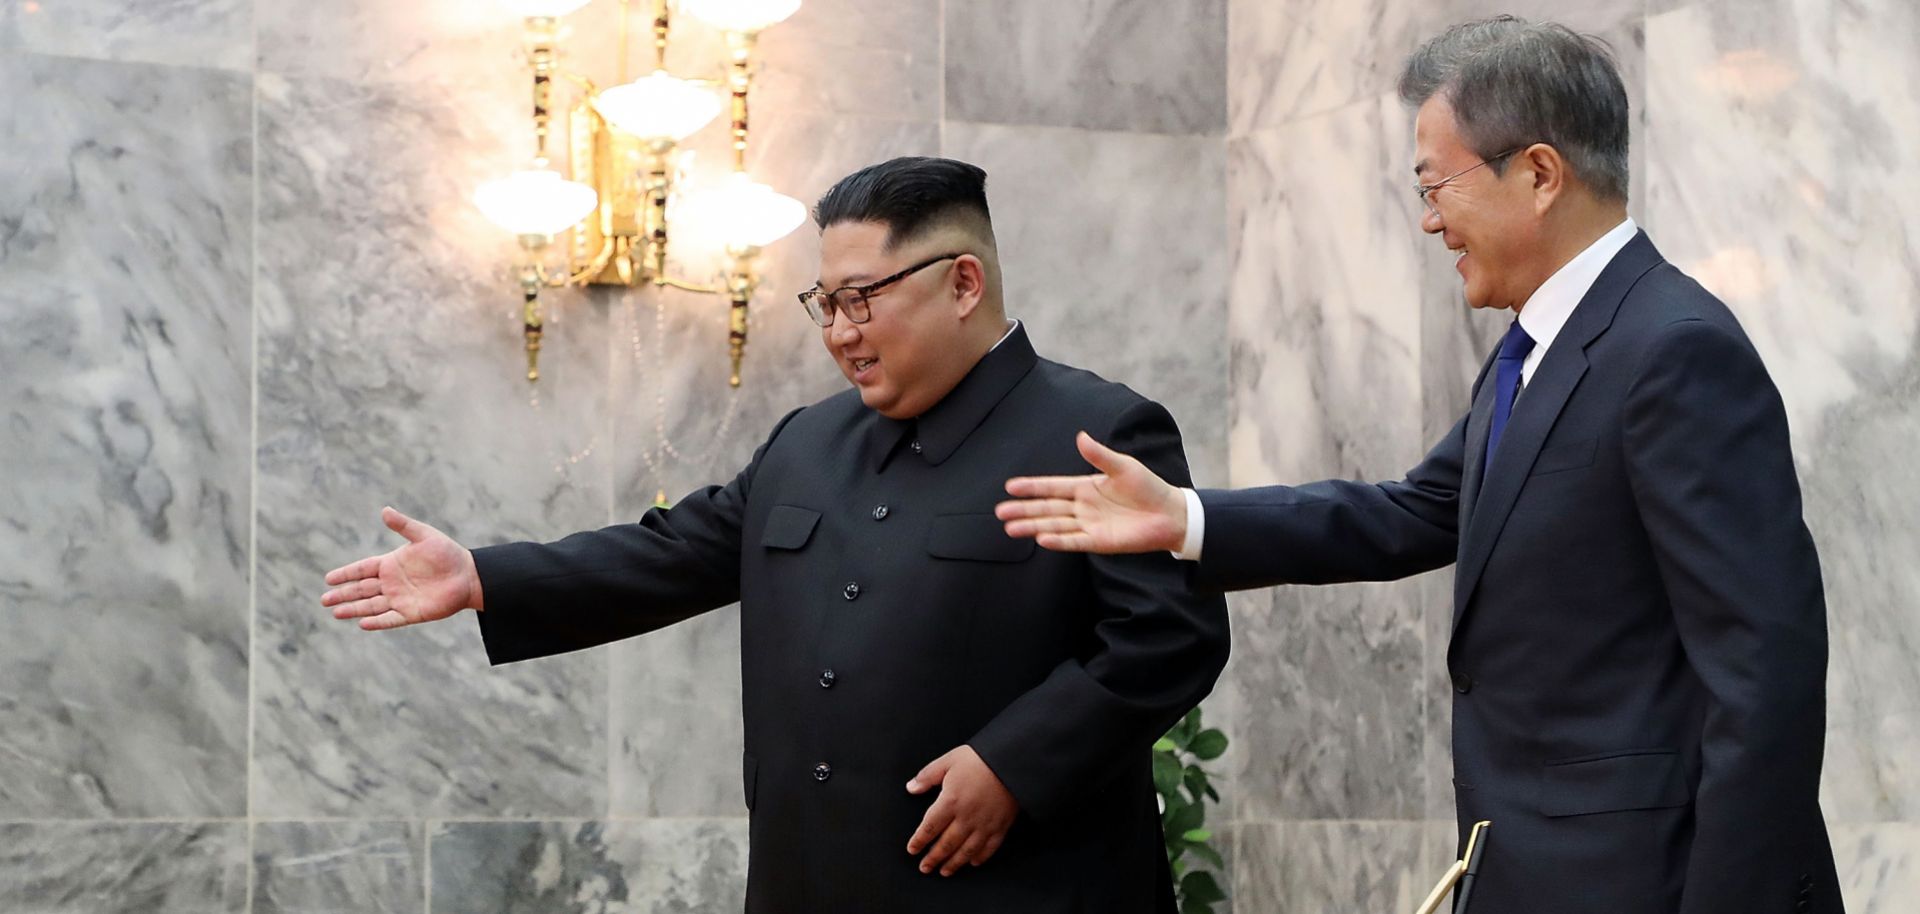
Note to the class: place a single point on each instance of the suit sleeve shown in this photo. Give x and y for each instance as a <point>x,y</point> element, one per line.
<point>601,586</point>
<point>1157,648</point>
<point>1335,531</point>
<point>1712,472</point>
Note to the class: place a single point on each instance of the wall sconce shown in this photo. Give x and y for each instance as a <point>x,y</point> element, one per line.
<point>621,195</point>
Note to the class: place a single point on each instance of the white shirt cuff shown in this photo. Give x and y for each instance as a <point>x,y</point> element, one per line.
<point>1196,528</point>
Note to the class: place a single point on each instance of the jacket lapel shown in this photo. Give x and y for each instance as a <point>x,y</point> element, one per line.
<point>1534,414</point>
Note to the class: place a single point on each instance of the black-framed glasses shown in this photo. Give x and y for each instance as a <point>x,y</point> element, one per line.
<point>852,300</point>
<point>1425,191</point>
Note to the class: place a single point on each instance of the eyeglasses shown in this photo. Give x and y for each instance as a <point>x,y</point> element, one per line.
<point>1425,191</point>
<point>852,300</point>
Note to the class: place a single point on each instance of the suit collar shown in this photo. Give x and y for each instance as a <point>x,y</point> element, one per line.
<point>1535,413</point>
<point>941,429</point>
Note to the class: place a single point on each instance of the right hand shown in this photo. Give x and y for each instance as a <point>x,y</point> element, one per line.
<point>428,579</point>
<point>1124,508</point>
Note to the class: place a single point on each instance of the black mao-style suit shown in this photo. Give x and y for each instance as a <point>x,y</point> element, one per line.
<point>886,618</point>
<point>1639,642</point>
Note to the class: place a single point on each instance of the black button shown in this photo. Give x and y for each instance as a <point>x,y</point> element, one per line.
<point>880,512</point>
<point>916,447</point>
<point>822,771</point>
<point>852,591</point>
<point>826,679</point>
<point>1462,683</point>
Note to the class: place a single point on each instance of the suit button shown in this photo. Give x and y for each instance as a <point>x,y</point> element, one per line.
<point>852,591</point>
<point>822,771</point>
<point>1462,683</point>
<point>916,447</point>
<point>880,512</point>
<point>826,679</point>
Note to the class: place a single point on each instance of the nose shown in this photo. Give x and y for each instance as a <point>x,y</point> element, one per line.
<point>1430,221</point>
<point>842,331</point>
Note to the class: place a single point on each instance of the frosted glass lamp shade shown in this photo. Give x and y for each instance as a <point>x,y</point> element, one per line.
<point>659,107</point>
<point>740,213</point>
<point>549,9</point>
<point>535,201</point>
<point>740,15</point>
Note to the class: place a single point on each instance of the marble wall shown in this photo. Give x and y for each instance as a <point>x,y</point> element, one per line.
<point>253,304</point>
<point>1774,160</point>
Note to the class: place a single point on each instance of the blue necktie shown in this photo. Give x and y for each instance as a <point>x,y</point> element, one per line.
<point>1506,380</point>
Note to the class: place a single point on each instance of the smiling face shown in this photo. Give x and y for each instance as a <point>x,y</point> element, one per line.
<point>924,332</point>
<point>1492,221</point>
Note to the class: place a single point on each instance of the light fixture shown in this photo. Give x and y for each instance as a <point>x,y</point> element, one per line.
<point>622,144</point>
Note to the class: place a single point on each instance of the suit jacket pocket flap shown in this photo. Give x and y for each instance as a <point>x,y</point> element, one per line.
<point>978,537</point>
<point>1564,457</point>
<point>1651,779</point>
<point>788,527</point>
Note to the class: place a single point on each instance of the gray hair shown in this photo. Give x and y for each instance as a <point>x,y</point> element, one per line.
<point>1512,83</point>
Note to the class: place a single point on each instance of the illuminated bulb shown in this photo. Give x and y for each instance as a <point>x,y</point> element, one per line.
<point>747,16</point>
<point>659,107</point>
<point>740,213</point>
<point>535,201</point>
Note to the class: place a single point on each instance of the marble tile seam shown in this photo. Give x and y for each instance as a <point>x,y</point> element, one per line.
<point>160,64</point>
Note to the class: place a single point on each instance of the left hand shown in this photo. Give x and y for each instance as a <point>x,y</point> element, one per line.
<point>971,817</point>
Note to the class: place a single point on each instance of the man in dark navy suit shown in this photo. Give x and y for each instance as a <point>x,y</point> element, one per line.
<point>1639,638</point>
<point>895,642</point>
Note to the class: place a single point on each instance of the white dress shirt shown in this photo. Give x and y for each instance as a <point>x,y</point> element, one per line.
<point>1544,314</point>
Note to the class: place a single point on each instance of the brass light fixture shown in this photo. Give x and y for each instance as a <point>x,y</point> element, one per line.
<point>622,143</point>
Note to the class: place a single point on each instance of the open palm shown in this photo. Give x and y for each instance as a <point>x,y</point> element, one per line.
<point>1124,508</point>
<point>428,579</point>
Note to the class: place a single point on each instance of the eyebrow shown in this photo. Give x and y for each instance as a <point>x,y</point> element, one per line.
<point>1419,167</point>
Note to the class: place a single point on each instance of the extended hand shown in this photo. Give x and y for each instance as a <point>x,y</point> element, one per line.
<point>430,578</point>
<point>970,818</point>
<point>1124,508</point>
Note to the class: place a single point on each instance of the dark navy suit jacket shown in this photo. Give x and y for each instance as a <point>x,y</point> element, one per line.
<point>1639,644</point>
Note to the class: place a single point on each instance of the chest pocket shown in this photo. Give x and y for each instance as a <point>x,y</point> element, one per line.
<point>1563,457</point>
<point>975,537</point>
<point>789,527</point>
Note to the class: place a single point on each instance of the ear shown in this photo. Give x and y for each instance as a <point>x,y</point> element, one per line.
<point>967,281</point>
<point>1549,174</point>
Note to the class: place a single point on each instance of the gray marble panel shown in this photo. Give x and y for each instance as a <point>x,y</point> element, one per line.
<point>661,866</point>
<point>678,426</point>
<point>1114,251</point>
<point>392,373</point>
<point>1325,314</point>
<point>1879,866</point>
<point>1328,695</point>
<point>1814,241</point>
<point>438,43</point>
<point>1338,866</point>
<point>125,236</point>
<point>324,867</point>
<point>1100,64</point>
<point>130,868</point>
<point>1287,59</point>
<point>189,33</point>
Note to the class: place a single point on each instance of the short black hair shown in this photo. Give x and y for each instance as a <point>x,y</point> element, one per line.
<point>1512,82</point>
<point>909,195</point>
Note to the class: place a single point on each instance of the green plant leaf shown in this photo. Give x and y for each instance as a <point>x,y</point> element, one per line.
<point>1208,744</point>
<point>1164,745</point>
<point>1200,886</point>
<point>1166,776</point>
<point>1184,819</point>
<point>1207,853</point>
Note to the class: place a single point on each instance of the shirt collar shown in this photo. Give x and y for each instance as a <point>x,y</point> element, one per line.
<point>1548,309</point>
<point>944,426</point>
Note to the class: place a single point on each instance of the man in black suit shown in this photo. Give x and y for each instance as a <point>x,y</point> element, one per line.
<point>894,640</point>
<point>1639,633</point>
